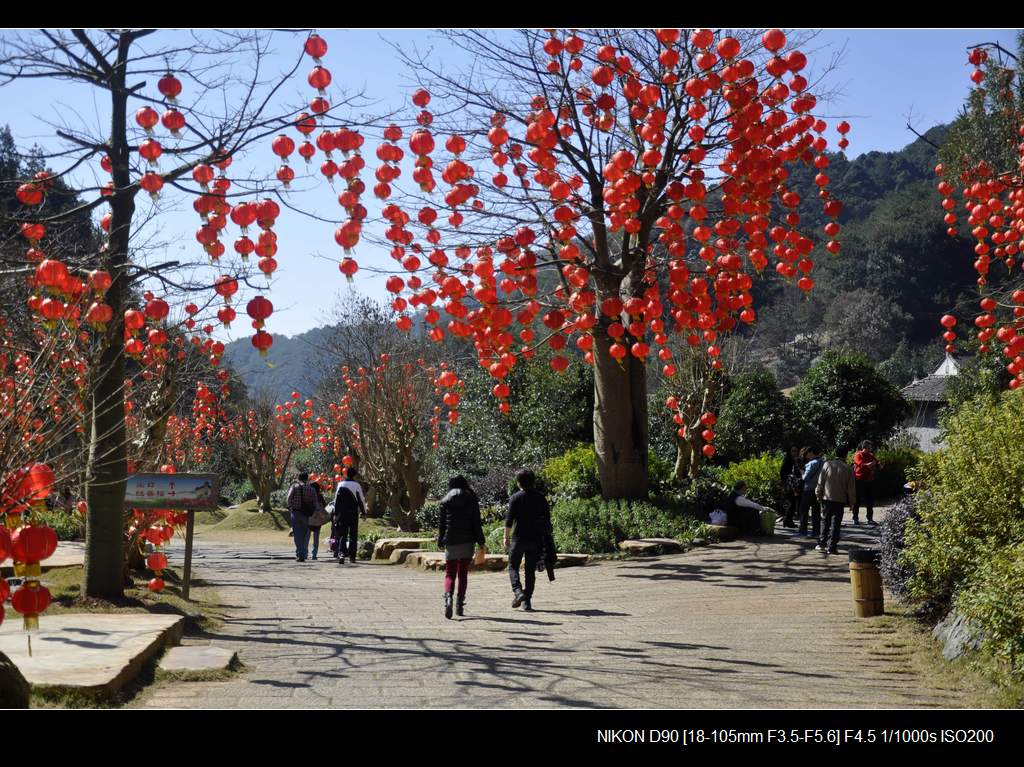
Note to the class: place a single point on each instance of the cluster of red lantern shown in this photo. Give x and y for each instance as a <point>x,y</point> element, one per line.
<point>26,543</point>
<point>994,206</point>
<point>769,125</point>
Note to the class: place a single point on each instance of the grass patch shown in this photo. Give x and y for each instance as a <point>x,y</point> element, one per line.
<point>246,517</point>
<point>202,612</point>
<point>978,678</point>
<point>220,675</point>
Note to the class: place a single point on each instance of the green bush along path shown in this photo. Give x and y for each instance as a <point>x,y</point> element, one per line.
<point>760,623</point>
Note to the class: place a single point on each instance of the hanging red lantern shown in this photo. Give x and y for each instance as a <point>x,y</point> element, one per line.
<point>169,86</point>
<point>173,121</point>
<point>29,194</point>
<point>316,46</point>
<point>152,183</point>
<point>147,117</point>
<point>262,341</point>
<point>226,286</point>
<point>259,309</point>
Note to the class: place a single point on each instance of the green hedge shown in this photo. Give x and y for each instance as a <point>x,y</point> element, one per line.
<point>966,547</point>
<point>896,468</point>
<point>68,526</point>
<point>994,600</point>
<point>595,526</point>
<point>573,474</point>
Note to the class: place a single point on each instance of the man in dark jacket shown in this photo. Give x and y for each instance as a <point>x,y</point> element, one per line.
<point>349,505</point>
<point>527,525</point>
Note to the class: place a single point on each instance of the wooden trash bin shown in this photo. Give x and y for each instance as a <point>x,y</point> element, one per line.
<point>866,581</point>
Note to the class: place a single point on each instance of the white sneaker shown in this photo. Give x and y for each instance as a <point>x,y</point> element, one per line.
<point>818,548</point>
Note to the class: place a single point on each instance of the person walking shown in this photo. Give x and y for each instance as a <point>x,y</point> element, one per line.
<point>459,530</point>
<point>302,503</point>
<point>809,503</point>
<point>527,526</point>
<point>864,466</point>
<point>792,485</point>
<point>319,518</point>
<point>836,488</point>
<point>349,505</point>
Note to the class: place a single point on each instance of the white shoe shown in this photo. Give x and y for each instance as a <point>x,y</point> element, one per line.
<point>818,548</point>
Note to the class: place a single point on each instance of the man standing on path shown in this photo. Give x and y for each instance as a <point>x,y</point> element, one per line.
<point>836,489</point>
<point>302,502</point>
<point>526,525</point>
<point>349,505</point>
<point>864,466</point>
<point>809,499</point>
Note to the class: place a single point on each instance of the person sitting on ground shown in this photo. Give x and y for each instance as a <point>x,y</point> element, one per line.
<point>743,513</point>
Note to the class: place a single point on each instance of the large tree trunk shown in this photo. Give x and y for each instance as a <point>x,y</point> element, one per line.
<point>107,468</point>
<point>620,422</point>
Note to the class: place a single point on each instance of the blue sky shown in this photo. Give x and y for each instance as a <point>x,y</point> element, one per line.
<point>883,77</point>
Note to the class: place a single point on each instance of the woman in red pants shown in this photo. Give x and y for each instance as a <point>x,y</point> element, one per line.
<point>459,531</point>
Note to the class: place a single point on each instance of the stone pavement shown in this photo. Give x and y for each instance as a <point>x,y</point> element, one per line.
<point>747,624</point>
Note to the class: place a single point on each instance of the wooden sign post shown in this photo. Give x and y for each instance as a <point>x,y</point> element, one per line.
<point>187,492</point>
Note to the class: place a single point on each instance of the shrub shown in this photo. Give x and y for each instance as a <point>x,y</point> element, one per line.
<point>896,466</point>
<point>595,526</point>
<point>762,477</point>
<point>700,496</point>
<point>573,474</point>
<point>364,548</point>
<point>974,499</point>
<point>238,492</point>
<point>279,498</point>
<point>845,400</point>
<point>428,516</point>
<point>994,600</point>
<point>69,527</point>
<point>494,534</point>
<point>755,418</point>
<point>895,572</point>
<point>494,487</point>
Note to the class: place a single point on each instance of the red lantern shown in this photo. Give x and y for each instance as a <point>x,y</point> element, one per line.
<point>169,86</point>
<point>316,46</point>
<point>147,117</point>
<point>33,543</point>
<point>226,286</point>
<point>157,309</point>
<point>259,309</point>
<point>37,483</point>
<point>262,341</point>
<point>29,194</point>
<point>174,121</point>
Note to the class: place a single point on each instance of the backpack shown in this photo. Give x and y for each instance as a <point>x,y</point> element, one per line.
<point>345,503</point>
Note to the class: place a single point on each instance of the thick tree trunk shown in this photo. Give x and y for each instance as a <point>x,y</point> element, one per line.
<point>620,422</point>
<point>414,487</point>
<point>107,468</point>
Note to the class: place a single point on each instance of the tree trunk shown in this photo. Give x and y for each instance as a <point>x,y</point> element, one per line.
<point>414,488</point>
<point>107,467</point>
<point>403,519</point>
<point>620,422</point>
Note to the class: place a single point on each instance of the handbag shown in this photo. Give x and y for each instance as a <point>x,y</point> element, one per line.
<point>480,557</point>
<point>319,517</point>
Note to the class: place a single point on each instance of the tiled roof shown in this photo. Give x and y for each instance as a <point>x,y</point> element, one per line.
<point>930,389</point>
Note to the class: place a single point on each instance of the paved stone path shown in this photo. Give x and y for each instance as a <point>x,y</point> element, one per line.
<point>751,624</point>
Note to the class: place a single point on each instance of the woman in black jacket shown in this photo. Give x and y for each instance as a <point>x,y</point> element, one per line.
<point>458,530</point>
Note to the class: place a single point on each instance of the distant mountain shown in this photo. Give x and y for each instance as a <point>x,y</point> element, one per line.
<point>289,366</point>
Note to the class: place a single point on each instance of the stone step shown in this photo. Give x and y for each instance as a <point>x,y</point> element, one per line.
<point>197,659</point>
<point>94,654</point>
<point>433,561</point>
<point>383,548</point>
<point>647,547</point>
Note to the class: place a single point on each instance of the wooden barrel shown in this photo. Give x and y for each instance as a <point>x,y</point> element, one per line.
<point>867,583</point>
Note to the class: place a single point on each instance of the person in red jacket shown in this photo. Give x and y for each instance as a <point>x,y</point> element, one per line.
<point>864,466</point>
